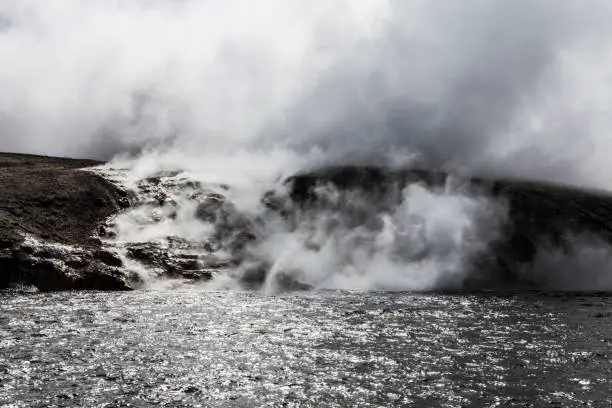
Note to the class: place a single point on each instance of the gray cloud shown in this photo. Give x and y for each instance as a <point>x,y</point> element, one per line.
<point>453,90</point>
<point>508,88</point>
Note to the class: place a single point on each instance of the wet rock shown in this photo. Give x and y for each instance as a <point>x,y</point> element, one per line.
<point>172,262</point>
<point>254,273</point>
<point>108,258</point>
<point>160,200</point>
<point>75,261</point>
<point>198,275</point>
<point>241,239</point>
<point>187,264</point>
<point>153,180</point>
<point>7,264</point>
<point>6,243</point>
<point>124,202</point>
<point>151,255</point>
<point>146,252</point>
<point>107,278</point>
<point>51,210</point>
<point>50,267</point>
<point>291,281</point>
<point>213,208</point>
<point>190,184</point>
<point>218,211</point>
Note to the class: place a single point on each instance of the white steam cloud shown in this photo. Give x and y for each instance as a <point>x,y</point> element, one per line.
<point>515,88</point>
<point>428,241</point>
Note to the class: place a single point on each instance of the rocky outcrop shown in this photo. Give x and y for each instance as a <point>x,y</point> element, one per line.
<point>52,267</point>
<point>537,210</point>
<point>50,211</point>
<point>184,230</point>
<point>538,214</point>
<point>66,228</point>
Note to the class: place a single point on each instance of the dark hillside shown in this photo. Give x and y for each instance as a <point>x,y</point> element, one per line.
<point>55,201</point>
<point>538,212</point>
<point>51,198</point>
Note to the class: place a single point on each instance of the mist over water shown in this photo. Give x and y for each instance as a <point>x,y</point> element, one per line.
<point>247,94</point>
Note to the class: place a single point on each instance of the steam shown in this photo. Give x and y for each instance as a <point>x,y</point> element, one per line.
<point>515,88</point>
<point>584,264</point>
<point>428,240</point>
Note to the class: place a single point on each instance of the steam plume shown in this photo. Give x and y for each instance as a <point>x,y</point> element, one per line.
<point>514,88</point>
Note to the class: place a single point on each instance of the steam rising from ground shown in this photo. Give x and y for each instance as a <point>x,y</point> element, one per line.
<point>407,238</point>
<point>428,240</point>
<point>246,93</point>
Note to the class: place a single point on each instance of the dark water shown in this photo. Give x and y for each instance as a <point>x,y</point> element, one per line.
<point>177,349</point>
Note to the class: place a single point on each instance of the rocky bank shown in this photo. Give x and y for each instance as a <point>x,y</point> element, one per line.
<point>49,214</point>
<point>58,222</point>
<point>538,215</point>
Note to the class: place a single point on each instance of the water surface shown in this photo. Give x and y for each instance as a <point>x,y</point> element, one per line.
<point>194,349</point>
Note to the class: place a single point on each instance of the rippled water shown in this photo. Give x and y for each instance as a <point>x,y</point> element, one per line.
<point>180,349</point>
